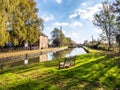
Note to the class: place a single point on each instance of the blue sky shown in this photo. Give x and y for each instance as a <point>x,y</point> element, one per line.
<point>75,17</point>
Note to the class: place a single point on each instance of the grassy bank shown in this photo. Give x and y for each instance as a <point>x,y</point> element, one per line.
<point>93,71</point>
<point>89,50</point>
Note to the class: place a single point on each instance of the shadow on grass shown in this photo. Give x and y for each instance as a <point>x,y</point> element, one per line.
<point>91,72</point>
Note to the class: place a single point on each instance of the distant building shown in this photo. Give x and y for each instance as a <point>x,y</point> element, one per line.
<point>43,41</point>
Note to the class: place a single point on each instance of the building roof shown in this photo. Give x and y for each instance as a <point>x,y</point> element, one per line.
<point>42,34</point>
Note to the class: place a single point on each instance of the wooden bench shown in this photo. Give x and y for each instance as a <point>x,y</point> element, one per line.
<point>67,62</point>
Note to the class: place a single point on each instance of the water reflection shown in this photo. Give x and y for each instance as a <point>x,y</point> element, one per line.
<point>43,58</point>
<point>76,51</point>
<point>26,61</point>
<point>40,58</point>
<point>61,53</point>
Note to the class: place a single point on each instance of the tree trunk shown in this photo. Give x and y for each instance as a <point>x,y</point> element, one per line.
<point>119,50</point>
<point>109,45</point>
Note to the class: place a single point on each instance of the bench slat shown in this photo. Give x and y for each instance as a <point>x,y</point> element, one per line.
<point>68,62</point>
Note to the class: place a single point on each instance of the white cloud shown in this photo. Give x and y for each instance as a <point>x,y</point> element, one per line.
<point>76,24</point>
<point>64,31</point>
<point>73,15</point>
<point>73,24</point>
<point>84,4</point>
<point>74,34</point>
<point>58,1</point>
<point>60,24</point>
<point>49,28</point>
<point>48,18</point>
<point>86,13</point>
<point>76,37</point>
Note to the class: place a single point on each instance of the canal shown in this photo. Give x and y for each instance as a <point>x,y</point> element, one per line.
<point>37,58</point>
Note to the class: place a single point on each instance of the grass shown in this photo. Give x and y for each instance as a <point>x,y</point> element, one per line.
<point>92,50</point>
<point>93,71</point>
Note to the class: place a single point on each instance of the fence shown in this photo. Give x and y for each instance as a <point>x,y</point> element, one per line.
<point>9,49</point>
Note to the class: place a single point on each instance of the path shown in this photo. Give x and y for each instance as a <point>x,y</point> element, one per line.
<point>11,54</point>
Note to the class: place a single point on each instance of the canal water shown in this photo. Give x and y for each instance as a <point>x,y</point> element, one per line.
<point>6,64</point>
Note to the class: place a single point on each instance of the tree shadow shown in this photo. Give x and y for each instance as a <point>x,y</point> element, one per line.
<point>91,73</point>
<point>85,76</point>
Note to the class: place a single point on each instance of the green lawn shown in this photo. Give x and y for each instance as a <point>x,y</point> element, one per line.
<point>93,71</point>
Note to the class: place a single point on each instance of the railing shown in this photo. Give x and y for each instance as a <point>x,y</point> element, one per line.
<point>9,49</point>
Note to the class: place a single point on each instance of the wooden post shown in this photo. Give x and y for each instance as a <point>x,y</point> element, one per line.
<point>59,63</point>
<point>74,60</point>
<point>26,56</point>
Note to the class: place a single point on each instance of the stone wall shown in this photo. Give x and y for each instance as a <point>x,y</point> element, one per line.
<point>43,43</point>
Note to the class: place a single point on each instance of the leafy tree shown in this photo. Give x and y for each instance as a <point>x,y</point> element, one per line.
<point>19,22</point>
<point>25,23</point>
<point>55,33</point>
<point>56,42</point>
<point>56,37</point>
<point>86,43</point>
<point>6,7</point>
<point>3,30</point>
<point>59,39</point>
<point>105,21</point>
<point>33,24</point>
<point>70,42</point>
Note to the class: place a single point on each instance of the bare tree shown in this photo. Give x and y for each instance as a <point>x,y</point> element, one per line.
<point>104,19</point>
